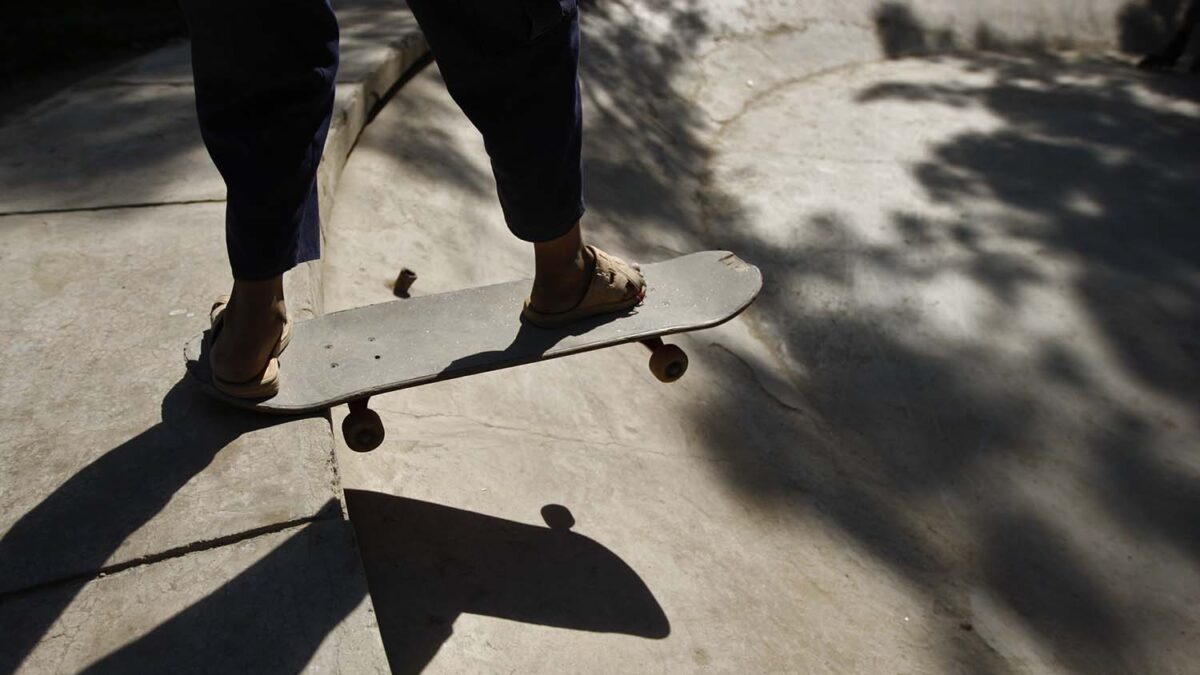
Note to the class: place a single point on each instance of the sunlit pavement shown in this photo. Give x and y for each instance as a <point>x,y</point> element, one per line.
<point>957,433</point>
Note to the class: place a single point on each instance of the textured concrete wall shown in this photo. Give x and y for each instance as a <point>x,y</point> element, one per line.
<point>990,24</point>
<point>914,26</point>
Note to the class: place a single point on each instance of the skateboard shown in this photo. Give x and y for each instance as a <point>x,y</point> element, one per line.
<point>352,355</point>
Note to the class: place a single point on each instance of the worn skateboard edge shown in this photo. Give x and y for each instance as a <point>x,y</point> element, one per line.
<point>255,405</point>
<point>194,348</point>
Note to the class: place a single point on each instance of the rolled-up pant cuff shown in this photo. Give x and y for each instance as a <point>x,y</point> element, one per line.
<point>264,75</point>
<point>513,68</point>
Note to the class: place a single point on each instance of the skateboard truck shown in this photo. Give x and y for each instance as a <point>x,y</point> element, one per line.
<point>667,362</point>
<point>362,428</point>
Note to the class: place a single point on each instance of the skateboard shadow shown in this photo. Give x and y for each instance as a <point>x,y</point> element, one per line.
<point>427,564</point>
<point>528,345</point>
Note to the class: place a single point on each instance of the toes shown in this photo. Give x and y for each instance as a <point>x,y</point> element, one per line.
<point>635,288</point>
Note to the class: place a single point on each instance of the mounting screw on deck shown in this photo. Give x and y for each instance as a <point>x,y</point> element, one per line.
<point>404,281</point>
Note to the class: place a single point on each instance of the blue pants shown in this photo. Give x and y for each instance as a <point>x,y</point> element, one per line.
<point>265,71</point>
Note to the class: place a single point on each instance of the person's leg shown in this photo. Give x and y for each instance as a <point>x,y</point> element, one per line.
<point>264,74</point>
<point>512,66</point>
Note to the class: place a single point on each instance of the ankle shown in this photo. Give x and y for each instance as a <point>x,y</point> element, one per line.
<point>566,264</point>
<point>559,254</point>
<point>258,300</point>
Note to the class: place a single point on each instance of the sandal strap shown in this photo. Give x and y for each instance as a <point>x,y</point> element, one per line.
<point>612,285</point>
<point>266,382</point>
<point>613,280</point>
<point>217,309</point>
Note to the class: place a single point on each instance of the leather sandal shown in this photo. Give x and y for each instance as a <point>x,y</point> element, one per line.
<point>613,285</point>
<point>263,385</point>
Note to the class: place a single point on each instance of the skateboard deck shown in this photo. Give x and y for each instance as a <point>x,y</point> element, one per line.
<point>347,356</point>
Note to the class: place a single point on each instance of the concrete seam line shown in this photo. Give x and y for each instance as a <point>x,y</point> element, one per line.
<point>110,207</point>
<point>172,553</point>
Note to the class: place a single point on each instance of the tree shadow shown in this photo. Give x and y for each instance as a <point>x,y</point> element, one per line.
<point>1147,489</point>
<point>47,46</point>
<point>1031,568</point>
<point>899,430</point>
<point>902,33</point>
<point>1099,173</point>
<point>1090,164</point>
<point>144,137</point>
<point>644,153</point>
<point>427,564</point>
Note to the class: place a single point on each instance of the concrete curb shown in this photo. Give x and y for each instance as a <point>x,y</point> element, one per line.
<point>353,109</point>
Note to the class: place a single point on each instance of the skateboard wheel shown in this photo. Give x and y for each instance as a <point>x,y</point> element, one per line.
<point>363,430</point>
<point>668,363</point>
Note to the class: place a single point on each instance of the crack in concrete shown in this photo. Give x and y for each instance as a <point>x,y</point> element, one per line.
<point>110,207</point>
<point>782,28</point>
<point>762,94</point>
<point>177,552</point>
<point>762,387</point>
<point>141,83</point>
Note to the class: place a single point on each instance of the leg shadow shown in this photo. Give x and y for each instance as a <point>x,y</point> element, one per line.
<point>73,532</point>
<point>271,618</point>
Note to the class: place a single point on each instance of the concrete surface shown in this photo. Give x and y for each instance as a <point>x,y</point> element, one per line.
<point>129,136</point>
<point>116,459</point>
<point>289,601</point>
<point>371,33</point>
<point>957,433</point>
<point>106,146</point>
<point>133,507</point>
